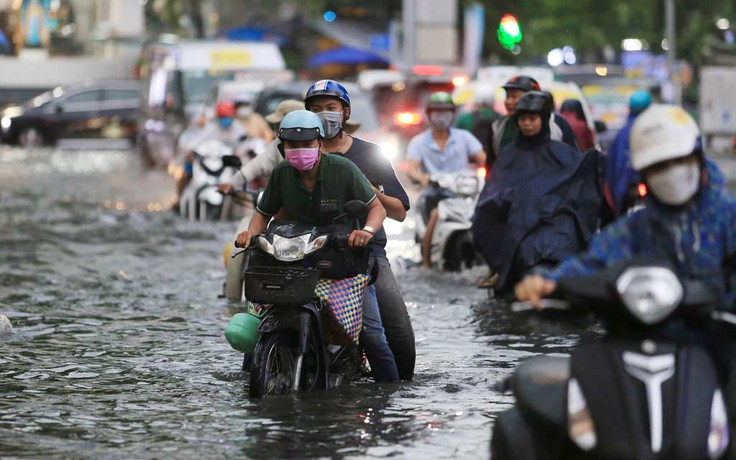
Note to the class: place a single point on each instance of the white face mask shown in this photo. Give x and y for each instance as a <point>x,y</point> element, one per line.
<point>441,120</point>
<point>675,185</point>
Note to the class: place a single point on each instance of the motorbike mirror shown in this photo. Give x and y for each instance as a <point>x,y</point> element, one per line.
<point>232,161</point>
<point>356,209</point>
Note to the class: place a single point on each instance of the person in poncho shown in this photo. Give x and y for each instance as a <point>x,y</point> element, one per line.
<point>542,202</point>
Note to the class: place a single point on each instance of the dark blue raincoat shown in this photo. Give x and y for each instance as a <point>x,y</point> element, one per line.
<point>541,204</point>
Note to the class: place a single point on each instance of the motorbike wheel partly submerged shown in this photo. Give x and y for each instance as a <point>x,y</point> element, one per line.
<point>274,366</point>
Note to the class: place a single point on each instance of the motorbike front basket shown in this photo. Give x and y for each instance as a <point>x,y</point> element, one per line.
<point>289,286</point>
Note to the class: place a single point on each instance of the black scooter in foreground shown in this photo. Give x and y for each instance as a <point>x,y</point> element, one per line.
<point>633,394</point>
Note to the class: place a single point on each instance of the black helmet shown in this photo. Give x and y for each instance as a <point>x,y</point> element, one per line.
<point>534,102</point>
<point>523,83</point>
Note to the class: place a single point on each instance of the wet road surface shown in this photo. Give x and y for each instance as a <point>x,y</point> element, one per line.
<point>118,349</point>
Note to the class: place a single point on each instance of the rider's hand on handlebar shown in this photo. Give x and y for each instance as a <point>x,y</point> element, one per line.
<point>359,238</point>
<point>533,288</point>
<point>243,239</point>
<point>225,188</point>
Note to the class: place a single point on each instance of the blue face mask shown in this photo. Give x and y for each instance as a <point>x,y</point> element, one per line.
<point>225,122</point>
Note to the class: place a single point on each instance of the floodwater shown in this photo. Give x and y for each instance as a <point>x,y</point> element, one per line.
<point>118,350</point>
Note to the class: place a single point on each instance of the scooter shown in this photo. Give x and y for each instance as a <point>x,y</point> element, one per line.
<point>636,393</point>
<point>214,164</point>
<point>294,351</point>
<point>452,243</point>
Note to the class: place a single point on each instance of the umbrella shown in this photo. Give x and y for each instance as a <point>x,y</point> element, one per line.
<point>345,55</point>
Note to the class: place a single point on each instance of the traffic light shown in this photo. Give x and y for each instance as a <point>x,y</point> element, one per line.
<point>509,32</point>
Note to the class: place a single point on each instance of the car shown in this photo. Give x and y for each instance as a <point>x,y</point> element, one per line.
<point>363,112</point>
<point>91,109</point>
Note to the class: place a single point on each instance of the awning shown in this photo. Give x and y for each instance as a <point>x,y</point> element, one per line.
<point>346,55</point>
<point>258,34</point>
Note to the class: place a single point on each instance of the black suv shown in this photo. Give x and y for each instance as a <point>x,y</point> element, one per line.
<point>93,109</point>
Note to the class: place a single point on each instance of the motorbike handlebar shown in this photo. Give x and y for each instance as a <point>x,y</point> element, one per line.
<point>546,304</point>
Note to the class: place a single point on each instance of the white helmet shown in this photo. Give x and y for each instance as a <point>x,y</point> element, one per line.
<point>484,94</point>
<point>662,132</point>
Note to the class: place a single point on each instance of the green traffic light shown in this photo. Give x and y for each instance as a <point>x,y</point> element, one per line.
<point>509,32</point>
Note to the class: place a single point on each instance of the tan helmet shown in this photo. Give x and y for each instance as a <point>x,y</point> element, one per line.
<point>662,132</point>
<point>286,106</point>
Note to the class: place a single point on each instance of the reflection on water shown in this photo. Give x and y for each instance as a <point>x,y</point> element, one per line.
<point>118,349</point>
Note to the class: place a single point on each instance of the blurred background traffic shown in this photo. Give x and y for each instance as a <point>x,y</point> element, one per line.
<point>141,72</point>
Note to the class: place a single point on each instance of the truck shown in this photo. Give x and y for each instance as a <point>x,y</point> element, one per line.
<point>177,76</point>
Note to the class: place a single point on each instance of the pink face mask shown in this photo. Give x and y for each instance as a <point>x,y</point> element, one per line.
<point>302,159</point>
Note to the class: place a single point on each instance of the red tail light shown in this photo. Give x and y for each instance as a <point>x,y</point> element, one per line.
<point>408,118</point>
<point>642,189</point>
<point>482,172</point>
<point>428,70</point>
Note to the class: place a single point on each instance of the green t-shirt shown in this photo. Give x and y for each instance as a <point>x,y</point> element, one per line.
<point>338,181</point>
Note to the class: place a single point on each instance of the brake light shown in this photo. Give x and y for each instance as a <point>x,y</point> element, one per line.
<point>408,118</point>
<point>428,70</point>
<point>642,189</point>
<point>459,80</point>
<point>482,172</point>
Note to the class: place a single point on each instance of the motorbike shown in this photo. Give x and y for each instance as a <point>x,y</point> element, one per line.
<point>452,243</point>
<point>295,350</point>
<point>635,393</point>
<point>214,164</point>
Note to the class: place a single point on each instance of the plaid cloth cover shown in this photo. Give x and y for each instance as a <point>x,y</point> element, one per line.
<point>343,301</point>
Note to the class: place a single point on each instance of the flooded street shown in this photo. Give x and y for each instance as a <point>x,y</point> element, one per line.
<point>119,352</point>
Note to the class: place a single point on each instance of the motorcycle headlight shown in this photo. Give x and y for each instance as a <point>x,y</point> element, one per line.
<point>265,245</point>
<point>291,249</point>
<point>580,425</point>
<point>650,293</point>
<point>467,185</point>
<point>317,243</point>
<point>718,437</point>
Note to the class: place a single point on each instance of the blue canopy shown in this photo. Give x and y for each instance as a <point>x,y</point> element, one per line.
<point>246,33</point>
<point>346,55</point>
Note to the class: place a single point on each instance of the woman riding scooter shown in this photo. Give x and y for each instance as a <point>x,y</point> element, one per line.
<point>542,201</point>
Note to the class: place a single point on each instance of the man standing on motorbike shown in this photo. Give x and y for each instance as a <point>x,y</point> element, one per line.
<point>331,102</point>
<point>313,188</point>
<point>224,129</point>
<point>688,219</point>
<point>506,129</point>
<point>440,149</point>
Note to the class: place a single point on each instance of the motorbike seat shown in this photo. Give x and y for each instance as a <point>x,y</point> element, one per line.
<point>540,387</point>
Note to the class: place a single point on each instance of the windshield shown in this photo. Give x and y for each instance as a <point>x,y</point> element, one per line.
<point>197,83</point>
<point>43,98</point>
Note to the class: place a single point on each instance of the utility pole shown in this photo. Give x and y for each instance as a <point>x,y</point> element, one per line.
<point>429,32</point>
<point>669,14</point>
